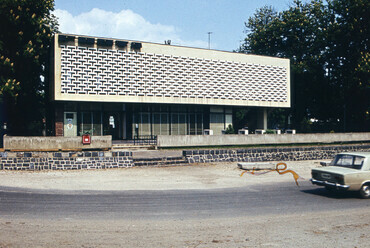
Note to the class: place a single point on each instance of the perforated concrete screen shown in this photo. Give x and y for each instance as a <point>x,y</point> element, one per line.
<point>94,74</point>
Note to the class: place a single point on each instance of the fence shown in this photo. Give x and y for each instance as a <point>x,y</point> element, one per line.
<point>142,140</point>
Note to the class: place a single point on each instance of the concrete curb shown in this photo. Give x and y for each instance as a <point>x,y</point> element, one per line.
<point>257,166</point>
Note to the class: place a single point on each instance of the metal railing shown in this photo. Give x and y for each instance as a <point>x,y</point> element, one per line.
<point>145,140</point>
<point>142,140</point>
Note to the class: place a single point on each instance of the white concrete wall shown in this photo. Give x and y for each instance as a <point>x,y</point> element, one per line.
<point>170,74</point>
<point>255,139</point>
<point>55,143</point>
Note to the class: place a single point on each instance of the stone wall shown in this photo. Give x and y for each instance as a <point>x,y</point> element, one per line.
<point>115,159</point>
<point>269,154</point>
<point>64,160</point>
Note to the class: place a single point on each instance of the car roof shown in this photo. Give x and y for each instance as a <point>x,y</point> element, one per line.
<point>362,154</point>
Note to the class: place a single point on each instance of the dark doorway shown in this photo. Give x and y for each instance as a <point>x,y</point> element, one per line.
<point>112,125</point>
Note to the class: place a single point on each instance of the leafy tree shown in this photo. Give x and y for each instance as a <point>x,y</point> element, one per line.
<point>25,38</point>
<point>260,39</point>
<point>349,61</point>
<point>327,45</point>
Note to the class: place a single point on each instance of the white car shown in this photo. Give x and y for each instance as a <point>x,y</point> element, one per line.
<point>348,171</point>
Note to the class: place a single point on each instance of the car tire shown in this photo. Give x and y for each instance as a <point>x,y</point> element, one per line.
<point>365,191</point>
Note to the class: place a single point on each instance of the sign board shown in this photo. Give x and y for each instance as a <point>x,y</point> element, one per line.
<point>86,139</point>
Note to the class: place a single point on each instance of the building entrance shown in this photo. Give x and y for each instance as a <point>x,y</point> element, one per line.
<point>113,125</point>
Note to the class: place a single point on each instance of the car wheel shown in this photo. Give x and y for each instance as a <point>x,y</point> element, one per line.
<point>365,191</point>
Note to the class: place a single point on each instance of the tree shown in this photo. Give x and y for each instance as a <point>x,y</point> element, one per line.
<point>26,34</point>
<point>324,43</point>
<point>349,61</point>
<point>260,39</point>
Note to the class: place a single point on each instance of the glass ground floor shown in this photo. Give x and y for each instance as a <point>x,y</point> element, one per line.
<point>128,121</point>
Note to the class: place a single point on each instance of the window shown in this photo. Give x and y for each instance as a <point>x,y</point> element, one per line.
<point>161,121</point>
<point>358,162</point>
<point>217,123</point>
<point>141,124</point>
<point>97,123</point>
<point>86,123</point>
<point>91,122</point>
<point>199,124</point>
<point>182,124</point>
<point>165,127</point>
<point>160,124</point>
<point>145,124</point>
<point>349,161</point>
<point>192,124</point>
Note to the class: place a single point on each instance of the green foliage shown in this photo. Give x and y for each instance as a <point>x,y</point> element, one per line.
<point>270,131</point>
<point>327,45</point>
<point>230,129</point>
<point>26,33</point>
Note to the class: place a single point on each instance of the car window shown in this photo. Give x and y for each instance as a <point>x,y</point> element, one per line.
<point>349,161</point>
<point>358,162</point>
<point>344,160</point>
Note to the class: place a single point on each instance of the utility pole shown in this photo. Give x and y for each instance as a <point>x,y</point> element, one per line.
<point>209,40</point>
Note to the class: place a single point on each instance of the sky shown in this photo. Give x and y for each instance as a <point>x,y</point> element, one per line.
<point>184,22</point>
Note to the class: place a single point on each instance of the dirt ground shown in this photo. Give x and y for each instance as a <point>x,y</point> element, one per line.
<point>324,229</point>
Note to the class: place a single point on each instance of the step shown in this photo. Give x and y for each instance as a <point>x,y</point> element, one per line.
<point>159,161</point>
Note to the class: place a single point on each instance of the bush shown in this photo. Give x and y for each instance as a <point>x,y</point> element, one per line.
<point>230,129</point>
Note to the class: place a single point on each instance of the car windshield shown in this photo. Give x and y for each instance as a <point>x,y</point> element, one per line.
<point>348,161</point>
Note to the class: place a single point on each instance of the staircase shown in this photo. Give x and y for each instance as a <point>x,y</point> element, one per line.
<point>160,161</point>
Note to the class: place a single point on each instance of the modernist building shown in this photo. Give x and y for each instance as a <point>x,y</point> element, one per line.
<point>129,88</point>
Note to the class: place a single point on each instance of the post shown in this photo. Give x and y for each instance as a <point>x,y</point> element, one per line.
<point>209,40</point>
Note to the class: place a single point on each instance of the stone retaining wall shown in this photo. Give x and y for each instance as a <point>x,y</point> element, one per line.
<point>64,160</point>
<point>269,154</point>
<point>109,159</point>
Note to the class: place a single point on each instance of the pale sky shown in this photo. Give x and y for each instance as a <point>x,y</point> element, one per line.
<point>184,22</point>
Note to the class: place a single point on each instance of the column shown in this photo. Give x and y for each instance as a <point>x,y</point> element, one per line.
<point>262,119</point>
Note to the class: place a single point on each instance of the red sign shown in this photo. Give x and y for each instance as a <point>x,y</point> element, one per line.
<point>86,139</point>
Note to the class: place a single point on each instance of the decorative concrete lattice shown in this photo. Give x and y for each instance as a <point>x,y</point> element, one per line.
<point>119,73</point>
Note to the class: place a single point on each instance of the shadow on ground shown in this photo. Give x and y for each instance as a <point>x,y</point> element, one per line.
<point>334,194</point>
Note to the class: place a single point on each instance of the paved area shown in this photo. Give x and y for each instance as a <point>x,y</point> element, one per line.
<point>195,176</point>
<point>289,221</point>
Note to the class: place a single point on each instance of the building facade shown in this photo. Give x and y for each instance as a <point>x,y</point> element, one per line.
<point>132,89</point>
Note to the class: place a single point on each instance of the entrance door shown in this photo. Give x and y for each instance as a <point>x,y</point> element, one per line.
<point>112,125</point>
<point>70,124</point>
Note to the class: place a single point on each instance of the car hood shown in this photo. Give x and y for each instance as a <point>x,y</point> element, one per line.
<point>337,170</point>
